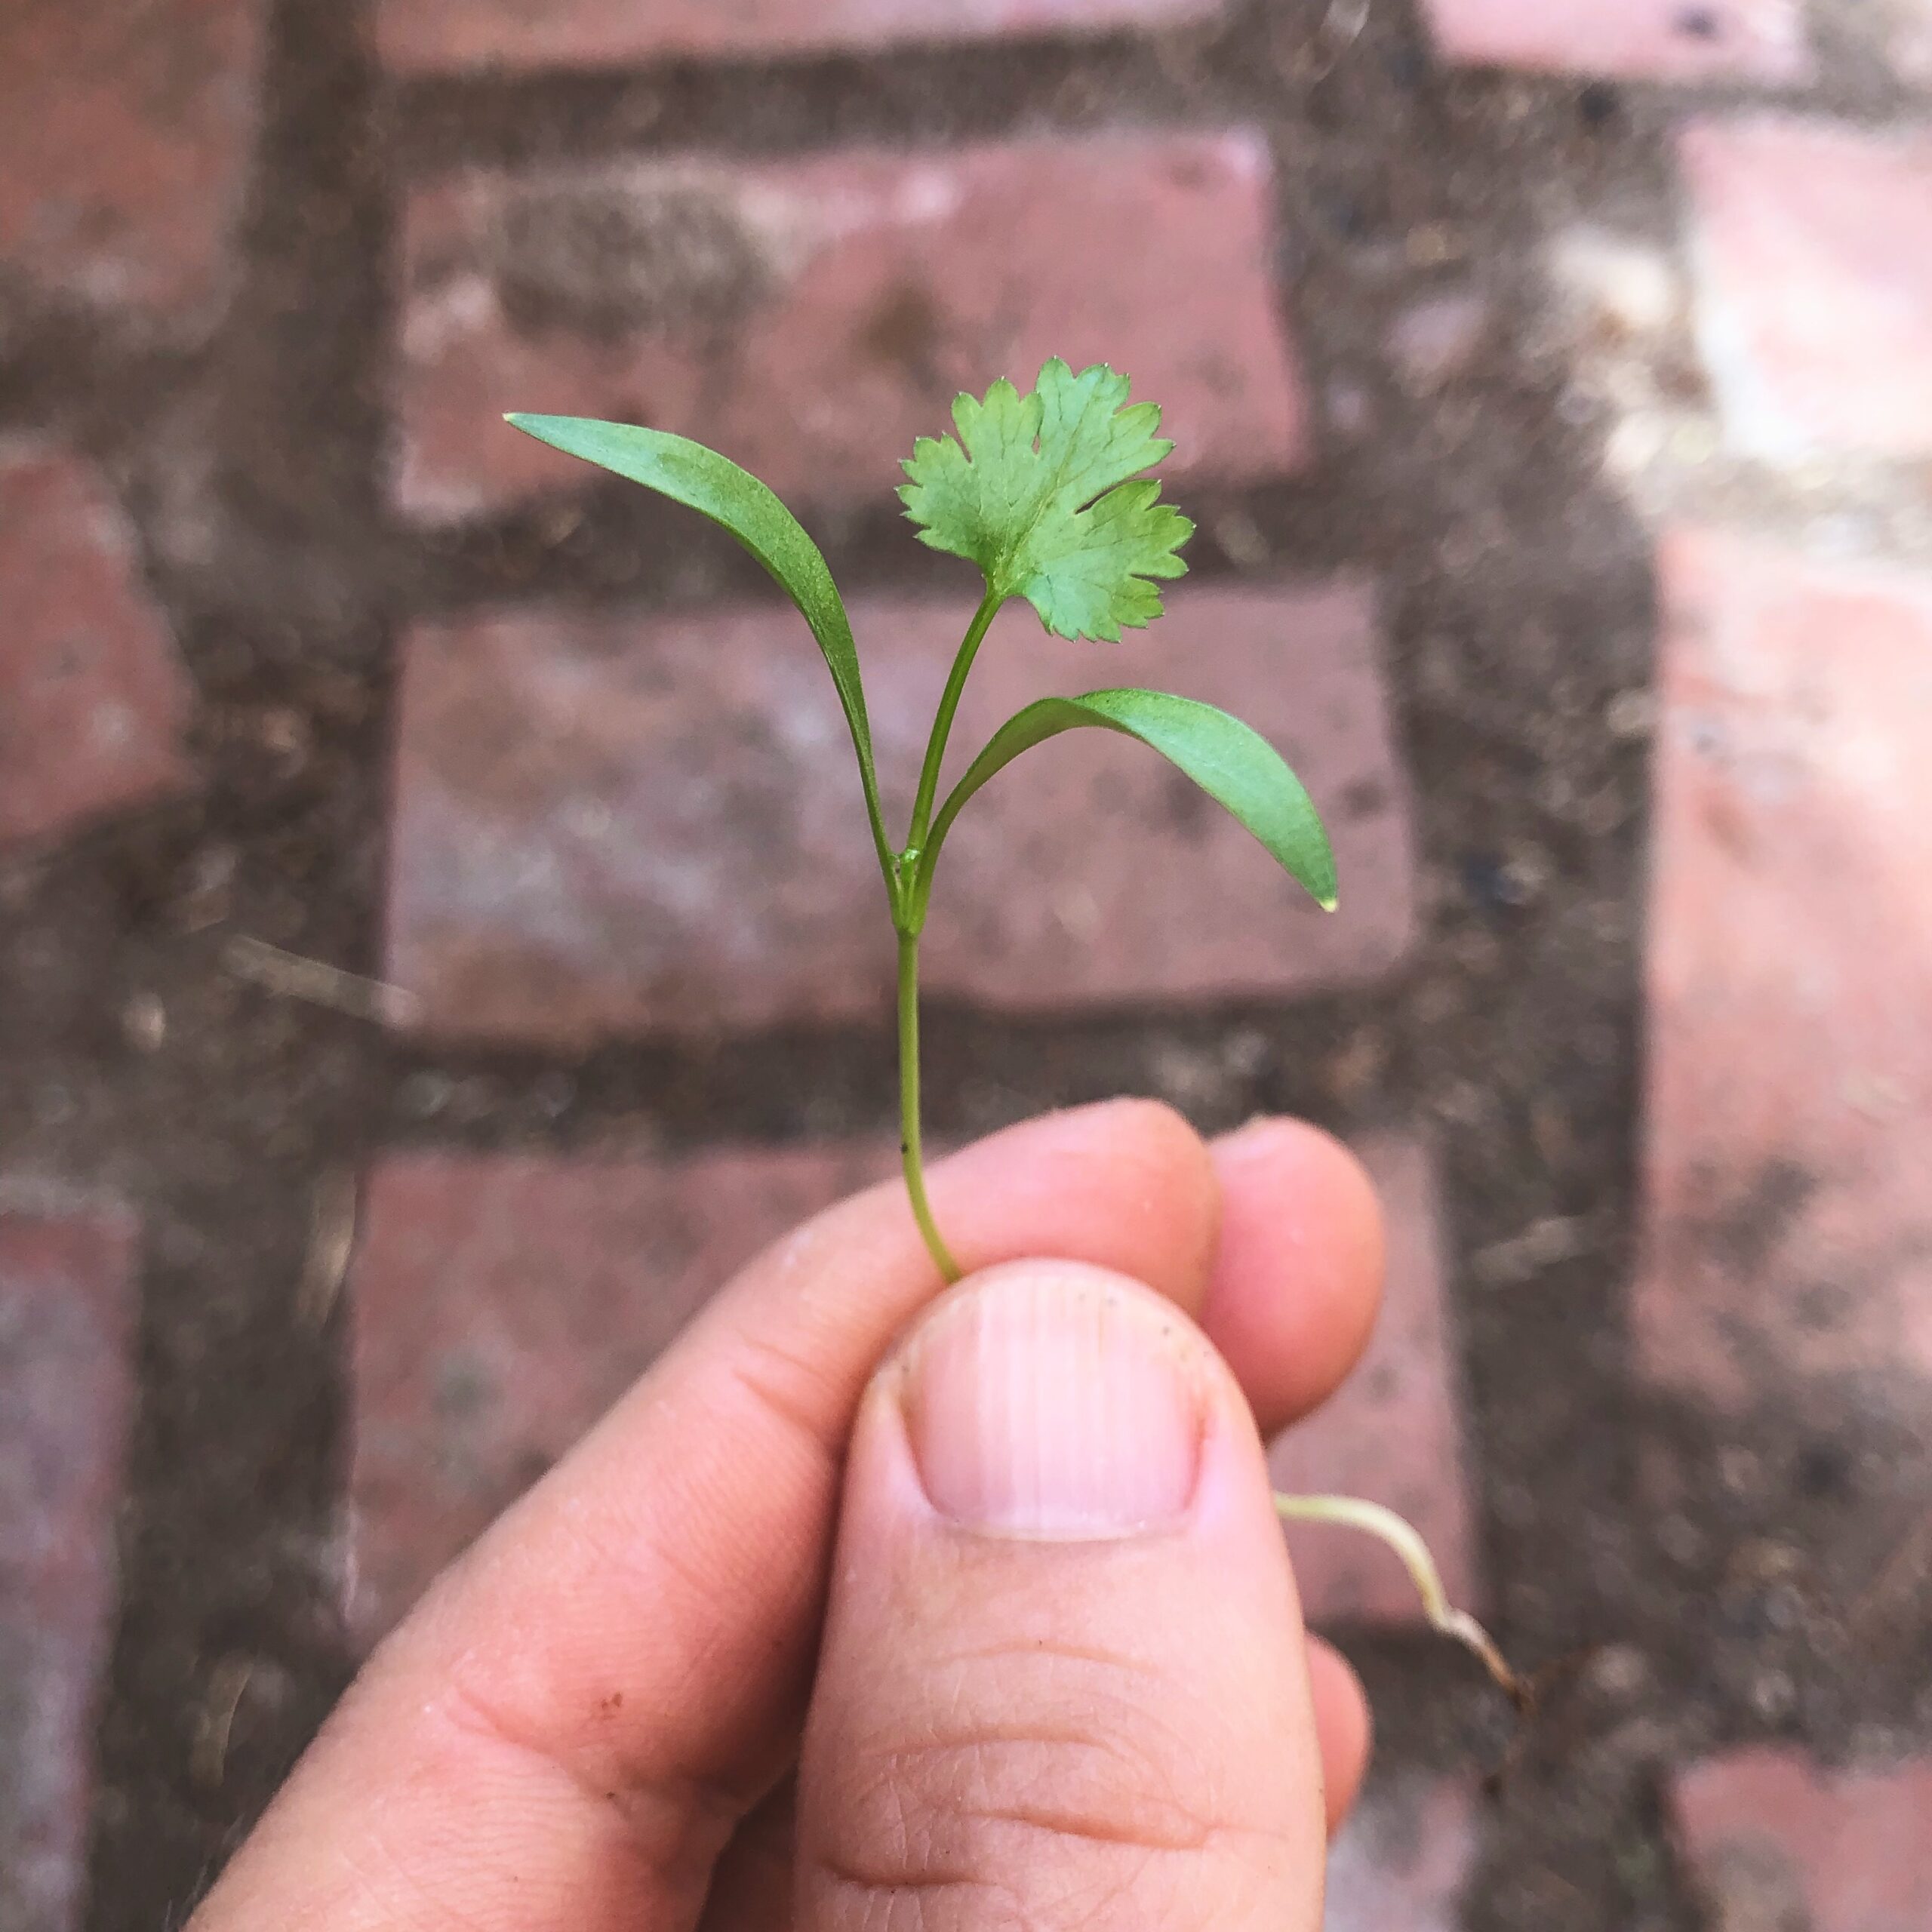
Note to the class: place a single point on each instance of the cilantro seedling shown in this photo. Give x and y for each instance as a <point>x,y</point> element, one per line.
<point>1046,493</point>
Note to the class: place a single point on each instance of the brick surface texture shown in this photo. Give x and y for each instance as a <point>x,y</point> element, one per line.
<point>810,319</point>
<point>1910,43</point>
<point>500,1303</point>
<point>67,1290</point>
<point>1394,1434</point>
<point>1659,40</point>
<point>1812,253</point>
<point>1790,974</point>
<point>126,129</point>
<point>94,697</point>
<point>1774,1841</point>
<point>1401,1861</point>
<point>440,35</point>
<point>606,825</point>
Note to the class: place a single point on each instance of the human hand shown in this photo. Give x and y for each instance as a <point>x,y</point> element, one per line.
<point>993,1570</point>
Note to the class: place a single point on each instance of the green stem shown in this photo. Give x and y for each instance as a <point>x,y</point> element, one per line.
<point>903,875</point>
<point>948,703</point>
<point>908,1105</point>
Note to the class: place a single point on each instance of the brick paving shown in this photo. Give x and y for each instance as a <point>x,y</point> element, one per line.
<point>1657,40</point>
<point>438,36</point>
<point>126,133</point>
<point>1781,208</point>
<point>569,787</point>
<point>1909,44</point>
<point>1774,1840</point>
<point>1402,1860</point>
<point>609,843</point>
<point>500,1303</point>
<point>735,303</point>
<point>93,698</point>
<point>1790,1233</point>
<point>67,1283</point>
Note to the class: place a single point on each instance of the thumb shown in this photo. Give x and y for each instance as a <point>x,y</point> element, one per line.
<point>1063,1682</point>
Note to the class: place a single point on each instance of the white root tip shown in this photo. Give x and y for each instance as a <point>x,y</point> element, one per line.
<point>1372,1519</point>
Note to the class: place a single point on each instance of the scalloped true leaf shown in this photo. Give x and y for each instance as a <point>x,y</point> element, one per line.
<point>1035,490</point>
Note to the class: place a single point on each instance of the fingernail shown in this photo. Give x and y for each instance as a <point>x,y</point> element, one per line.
<point>1054,1403</point>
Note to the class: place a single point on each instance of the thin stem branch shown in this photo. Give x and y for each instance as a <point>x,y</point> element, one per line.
<point>948,703</point>
<point>908,1105</point>
<point>1351,1513</point>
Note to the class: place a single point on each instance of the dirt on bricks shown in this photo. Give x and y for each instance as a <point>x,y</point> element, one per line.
<point>1525,472</point>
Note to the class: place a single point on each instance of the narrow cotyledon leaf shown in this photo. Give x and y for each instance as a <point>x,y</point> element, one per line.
<point>1231,762</point>
<point>715,487</point>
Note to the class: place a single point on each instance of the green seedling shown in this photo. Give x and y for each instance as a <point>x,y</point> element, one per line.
<point>1047,493</point>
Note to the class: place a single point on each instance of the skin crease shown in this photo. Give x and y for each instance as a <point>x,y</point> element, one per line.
<point>1086,1713</point>
<point>594,1720</point>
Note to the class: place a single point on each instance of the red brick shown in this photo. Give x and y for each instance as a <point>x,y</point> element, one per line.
<point>1400,1864</point>
<point>126,130</point>
<point>1773,1839</point>
<point>1911,41</point>
<point>810,319</point>
<point>1812,255</point>
<point>67,1289</point>
<point>1788,1229</point>
<point>438,36</point>
<point>93,695</point>
<point>609,826</point>
<point>501,1303</point>
<point>1393,1433</point>
<point>1646,40</point>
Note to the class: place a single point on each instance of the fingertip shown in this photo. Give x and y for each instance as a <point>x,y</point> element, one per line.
<point>1343,1728</point>
<point>1297,1275</point>
<point>1132,1133</point>
<point>1126,1184</point>
<point>1159,1125</point>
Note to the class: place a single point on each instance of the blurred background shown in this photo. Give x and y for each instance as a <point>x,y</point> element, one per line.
<point>438,932</point>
